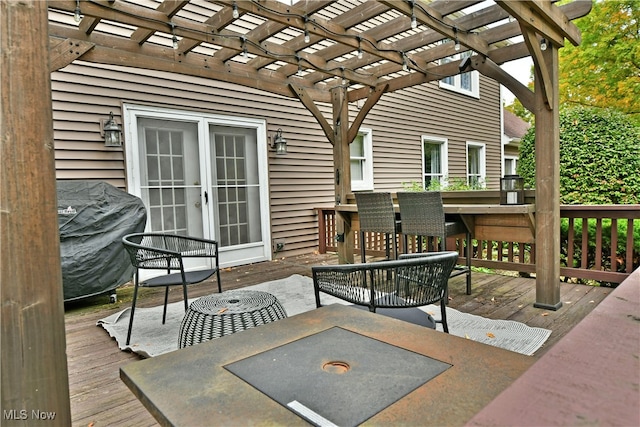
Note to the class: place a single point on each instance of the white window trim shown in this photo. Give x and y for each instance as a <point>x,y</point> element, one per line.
<point>483,161</point>
<point>367,182</point>
<point>508,157</point>
<point>457,85</point>
<point>444,142</point>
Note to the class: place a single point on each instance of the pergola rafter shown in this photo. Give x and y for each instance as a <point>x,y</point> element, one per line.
<point>316,51</point>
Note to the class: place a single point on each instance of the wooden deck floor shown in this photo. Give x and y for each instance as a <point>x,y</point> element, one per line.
<point>99,398</point>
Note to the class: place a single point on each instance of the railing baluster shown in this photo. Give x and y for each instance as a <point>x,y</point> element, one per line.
<point>585,244</point>
<point>614,245</point>
<point>629,260</point>
<point>570,242</point>
<point>598,260</point>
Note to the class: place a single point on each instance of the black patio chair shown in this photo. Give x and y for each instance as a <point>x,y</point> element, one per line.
<point>377,214</point>
<point>155,251</point>
<point>422,215</point>
<point>411,281</point>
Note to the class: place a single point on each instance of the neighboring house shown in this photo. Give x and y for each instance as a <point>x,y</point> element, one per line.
<point>198,151</point>
<point>514,128</point>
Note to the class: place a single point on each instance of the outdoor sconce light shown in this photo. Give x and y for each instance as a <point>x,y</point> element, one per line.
<point>279,143</point>
<point>112,132</point>
<point>512,190</point>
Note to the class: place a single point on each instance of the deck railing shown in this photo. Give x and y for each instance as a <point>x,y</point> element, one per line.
<point>597,243</point>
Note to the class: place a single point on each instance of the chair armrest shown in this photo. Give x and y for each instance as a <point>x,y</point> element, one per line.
<point>158,250</point>
<point>413,280</point>
<point>190,247</point>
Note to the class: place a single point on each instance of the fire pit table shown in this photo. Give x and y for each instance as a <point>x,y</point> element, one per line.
<point>216,315</point>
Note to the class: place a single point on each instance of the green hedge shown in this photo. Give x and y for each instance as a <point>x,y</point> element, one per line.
<point>599,157</point>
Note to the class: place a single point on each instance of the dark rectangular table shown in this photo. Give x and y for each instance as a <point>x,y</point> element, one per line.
<point>335,363</point>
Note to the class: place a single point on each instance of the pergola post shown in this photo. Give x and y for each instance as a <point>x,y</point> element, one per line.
<point>35,385</point>
<point>342,174</point>
<point>547,155</point>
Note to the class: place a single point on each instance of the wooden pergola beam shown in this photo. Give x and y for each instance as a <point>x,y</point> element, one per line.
<point>545,19</point>
<point>443,25</point>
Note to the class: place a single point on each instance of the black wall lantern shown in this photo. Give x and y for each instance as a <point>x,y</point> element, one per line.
<point>112,132</point>
<point>512,190</point>
<point>279,143</point>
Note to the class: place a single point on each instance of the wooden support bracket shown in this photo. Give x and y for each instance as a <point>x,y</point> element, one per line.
<point>307,101</point>
<point>372,100</point>
<point>64,52</point>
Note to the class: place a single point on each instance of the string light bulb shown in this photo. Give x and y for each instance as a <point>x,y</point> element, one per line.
<point>360,53</point>
<point>235,13</point>
<point>414,20</point>
<point>405,66</point>
<point>456,46</point>
<point>77,14</point>
<point>174,39</point>
<point>543,44</point>
<point>307,37</point>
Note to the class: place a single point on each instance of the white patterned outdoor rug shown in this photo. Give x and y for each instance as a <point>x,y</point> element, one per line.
<point>151,338</point>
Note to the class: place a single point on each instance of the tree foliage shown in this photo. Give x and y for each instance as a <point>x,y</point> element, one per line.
<point>599,157</point>
<point>604,70</point>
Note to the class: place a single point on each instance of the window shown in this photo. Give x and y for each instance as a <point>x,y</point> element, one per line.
<point>476,165</point>
<point>434,162</point>
<point>361,155</point>
<point>466,83</point>
<point>510,165</point>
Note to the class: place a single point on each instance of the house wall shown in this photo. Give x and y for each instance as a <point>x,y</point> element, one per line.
<point>83,94</point>
<point>511,150</point>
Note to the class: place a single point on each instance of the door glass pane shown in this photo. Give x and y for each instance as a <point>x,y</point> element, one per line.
<point>170,188</point>
<point>235,183</point>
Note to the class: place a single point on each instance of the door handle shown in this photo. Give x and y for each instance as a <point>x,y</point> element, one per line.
<point>206,198</point>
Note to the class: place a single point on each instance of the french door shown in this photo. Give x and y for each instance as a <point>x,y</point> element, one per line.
<point>202,176</point>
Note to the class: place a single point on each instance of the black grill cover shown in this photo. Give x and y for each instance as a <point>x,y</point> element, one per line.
<point>93,217</point>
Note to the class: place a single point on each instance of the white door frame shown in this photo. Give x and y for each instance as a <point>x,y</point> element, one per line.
<point>131,113</point>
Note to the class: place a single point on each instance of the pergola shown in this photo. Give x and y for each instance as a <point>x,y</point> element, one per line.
<point>322,51</point>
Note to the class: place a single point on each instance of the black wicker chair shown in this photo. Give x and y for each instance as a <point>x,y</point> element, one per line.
<point>377,214</point>
<point>412,281</point>
<point>156,251</point>
<point>422,215</point>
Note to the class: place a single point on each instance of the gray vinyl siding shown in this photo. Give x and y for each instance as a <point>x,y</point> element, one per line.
<point>83,94</point>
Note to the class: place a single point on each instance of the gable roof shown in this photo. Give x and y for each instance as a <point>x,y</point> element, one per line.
<point>514,126</point>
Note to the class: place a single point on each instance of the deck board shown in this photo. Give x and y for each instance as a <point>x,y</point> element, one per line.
<point>99,398</point>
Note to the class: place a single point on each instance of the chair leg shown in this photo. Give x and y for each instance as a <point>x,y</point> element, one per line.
<point>387,243</point>
<point>443,313</point>
<point>395,246</point>
<point>219,283</point>
<point>186,297</point>
<point>166,299</point>
<point>133,309</point>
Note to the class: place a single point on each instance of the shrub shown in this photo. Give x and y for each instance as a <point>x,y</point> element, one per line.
<point>599,157</point>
